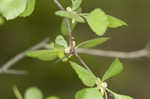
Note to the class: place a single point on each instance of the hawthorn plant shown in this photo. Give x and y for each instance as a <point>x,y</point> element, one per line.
<point>63,50</point>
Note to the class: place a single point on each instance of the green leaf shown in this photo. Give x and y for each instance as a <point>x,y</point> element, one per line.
<point>85,76</point>
<point>33,93</point>
<point>45,55</point>
<point>10,9</point>
<point>52,97</point>
<point>71,15</point>
<point>89,93</point>
<point>29,8</point>
<point>115,22</point>
<point>64,29</point>
<point>61,55</point>
<point>61,41</point>
<point>118,96</point>
<point>17,93</point>
<point>115,68</point>
<point>98,21</point>
<point>2,20</point>
<point>76,4</point>
<point>92,43</point>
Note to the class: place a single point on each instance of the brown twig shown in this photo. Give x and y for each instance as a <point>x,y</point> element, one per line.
<point>83,63</point>
<point>126,55</point>
<point>68,24</point>
<point>97,52</point>
<point>59,5</point>
<point>72,49</point>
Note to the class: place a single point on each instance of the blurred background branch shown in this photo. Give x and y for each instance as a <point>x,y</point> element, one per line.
<point>15,59</point>
<point>118,54</point>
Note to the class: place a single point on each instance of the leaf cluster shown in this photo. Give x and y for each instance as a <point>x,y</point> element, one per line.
<point>60,49</point>
<point>99,22</point>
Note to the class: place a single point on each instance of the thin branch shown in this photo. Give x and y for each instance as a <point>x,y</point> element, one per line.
<point>117,54</point>
<point>72,50</point>
<point>16,72</point>
<point>70,34</point>
<point>59,5</point>
<point>70,39</point>
<point>67,22</point>
<point>44,44</point>
<point>83,63</point>
<point>11,62</point>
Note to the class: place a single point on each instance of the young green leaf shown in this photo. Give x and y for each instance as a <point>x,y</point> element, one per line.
<point>29,8</point>
<point>92,43</point>
<point>76,4</point>
<point>89,93</point>
<point>10,9</point>
<point>17,93</point>
<point>64,29</point>
<point>71,15</point>
<point>98,21</point>
<point>61,55</point>
<point>118,96</point>
<point>115,68</point>
<point>52,97</point>
<point>2,20</point>
<point>85,76</point>
<point>61,41</point>
<point>45,55</point>
<point>33,93</point>
<point>115,22</point>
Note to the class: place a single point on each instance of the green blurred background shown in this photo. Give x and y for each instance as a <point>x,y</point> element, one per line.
<point>59,79</point>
